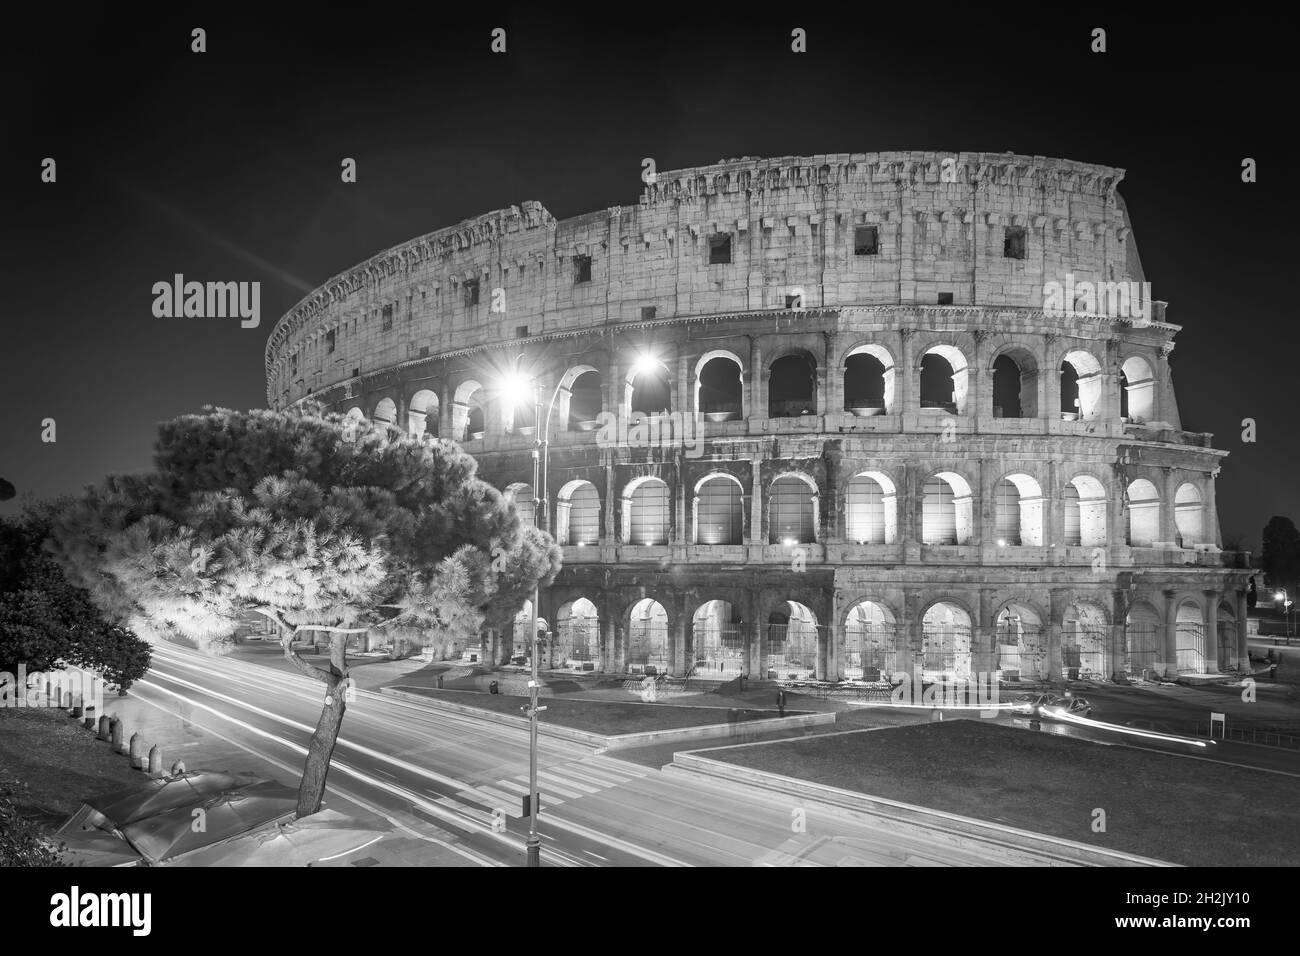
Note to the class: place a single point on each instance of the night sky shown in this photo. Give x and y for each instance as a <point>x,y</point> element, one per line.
<point>225,166</point>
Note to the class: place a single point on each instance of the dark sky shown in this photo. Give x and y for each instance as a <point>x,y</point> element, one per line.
<point>225,166</point>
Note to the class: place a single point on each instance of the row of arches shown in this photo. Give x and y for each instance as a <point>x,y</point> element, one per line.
<point>869,387</point>
<point>871,511</point>
<point>872,646</point>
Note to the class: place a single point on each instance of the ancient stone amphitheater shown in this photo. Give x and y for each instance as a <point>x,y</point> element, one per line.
<point>813,417</point>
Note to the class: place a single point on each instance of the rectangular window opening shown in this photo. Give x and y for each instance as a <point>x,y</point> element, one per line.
<point>720,250</point>
<point>1013,245</point>
<point>866,241</point>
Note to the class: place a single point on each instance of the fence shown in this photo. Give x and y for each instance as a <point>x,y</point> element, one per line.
<point>946,650</point>
<point>873,650</point>
<point>717,651</point>
<point>577,644</point>
<point>1020,652</point>
<point>647,649</point>
<point>792,650</point>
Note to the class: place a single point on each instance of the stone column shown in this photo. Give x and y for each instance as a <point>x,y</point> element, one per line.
<point>907,398</point>
<point>983,636</point>
<point>1210,531</point>
<point>682,390</point>
<point>757,388</point>
<point>1171,632</point>
<point>1168,526</point>
<point>834,376</point>
<point>824,377</point>
<point>1051,373</point>
<point>1210,645</point>
<point>1056,614</point>
<point>1243,646</point>
<point>1118,632</point>
<point>757,537</point>
<point>444,411</point>
<point>677,638</point>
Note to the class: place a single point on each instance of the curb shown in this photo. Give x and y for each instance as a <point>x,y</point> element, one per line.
<point>1025,847</point>
<point>623,741</point>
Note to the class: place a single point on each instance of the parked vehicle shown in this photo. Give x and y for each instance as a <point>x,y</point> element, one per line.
<point>1051,706</point>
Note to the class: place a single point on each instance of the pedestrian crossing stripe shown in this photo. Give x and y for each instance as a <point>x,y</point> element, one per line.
<point>559,783</point>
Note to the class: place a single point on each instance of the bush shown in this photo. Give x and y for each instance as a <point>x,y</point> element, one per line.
<point>23,842</point>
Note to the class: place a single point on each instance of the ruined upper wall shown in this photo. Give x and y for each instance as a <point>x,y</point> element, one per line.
<point>791,221</point>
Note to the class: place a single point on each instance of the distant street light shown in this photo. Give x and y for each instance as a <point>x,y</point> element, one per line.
<point>1286,607</point>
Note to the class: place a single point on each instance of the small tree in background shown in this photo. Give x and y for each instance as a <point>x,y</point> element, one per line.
<point>1280,555</point>
<point>46,622</point>
<point>316,521</point>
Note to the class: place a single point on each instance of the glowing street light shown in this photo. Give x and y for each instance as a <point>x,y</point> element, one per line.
<point>645,363</point>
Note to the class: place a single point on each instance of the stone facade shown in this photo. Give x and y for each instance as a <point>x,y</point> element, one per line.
<point>1039,511</point>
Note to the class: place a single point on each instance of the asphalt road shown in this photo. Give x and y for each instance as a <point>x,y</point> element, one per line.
<point>458,782</point>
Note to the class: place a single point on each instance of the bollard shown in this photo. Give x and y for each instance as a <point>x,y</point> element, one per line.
<point>137,752</point>
<point>89,722</point>
<point>105,727</point>
<point>116,729</point>
<point>155,761</point>
<point>178,767</point>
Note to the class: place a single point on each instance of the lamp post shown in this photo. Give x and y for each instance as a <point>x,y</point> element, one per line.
<point>1286,607</point>
<point>516,386</point>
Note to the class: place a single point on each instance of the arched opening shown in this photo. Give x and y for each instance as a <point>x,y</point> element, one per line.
<point>385,412</point>
<point>577,636</point>
<point>719,511</point>
<point>792,386</point>
<point>646,512</point>
<point>1084,637</point>
<point>1018,511</point>
<point>945,643</point>
<point>1015,385</point>
<point>719,388</point>
<point>649,390</point>
<point>467,412</point>
<point>945,379</point>
<point>521,496</point>
<point>946,511</point>
<point>647,638</point>
<point>871,509</point>
<point>1142,640</point>
<point>520,642</point>
<point>1143,514</point>
<point>792,511</point>
<point>869,381</point>
<point>577,514</point>
<point>585,402</point>
<point>1137,395</point>
<point>1080,386</point>
<point>422,414</point>
<point>718,641</point>
<point>1084,511</point>
<point>873,650</point>
<point>356,414</point>
<point>792,634</point>
<point>1021,644</point>
<point>1189,632</point>
<point>1189,515</point>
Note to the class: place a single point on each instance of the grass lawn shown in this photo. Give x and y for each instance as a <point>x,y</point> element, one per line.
<point>597,716</point>
<point>53,763</point>
<point>1183,811</point>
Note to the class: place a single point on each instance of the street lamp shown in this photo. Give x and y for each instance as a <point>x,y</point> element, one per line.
<point>515,388</point>
<point>1286,607</point>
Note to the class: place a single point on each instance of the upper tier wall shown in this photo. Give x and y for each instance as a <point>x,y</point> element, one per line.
<point>791,227</point>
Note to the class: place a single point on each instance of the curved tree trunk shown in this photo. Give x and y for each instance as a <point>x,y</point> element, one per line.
<point>311,791</point>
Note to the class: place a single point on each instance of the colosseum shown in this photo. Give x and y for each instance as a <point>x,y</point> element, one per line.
<point>826,418</point>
